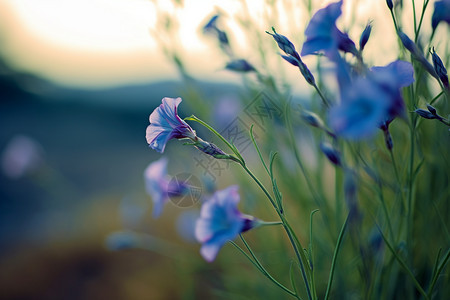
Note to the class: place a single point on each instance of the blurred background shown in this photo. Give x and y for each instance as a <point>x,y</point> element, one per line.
<point>78,80</point>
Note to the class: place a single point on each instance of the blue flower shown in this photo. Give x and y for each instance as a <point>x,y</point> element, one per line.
<point>221,221</point>
<point>323,35</point>
<point>441,13</point>
<point>364,106</point>
<point>392,78</point>
<point>165,124</point>
<point>157,184</point>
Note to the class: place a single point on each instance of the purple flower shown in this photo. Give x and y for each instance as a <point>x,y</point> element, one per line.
<point>160,186</point>
<point>221,221</point>
<point>157,184</point>
<point>364,107</point>
<point>165,124</point>
<point>323,35</point>
<point>441,13</point>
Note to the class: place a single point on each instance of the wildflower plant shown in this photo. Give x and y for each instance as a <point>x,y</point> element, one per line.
<point>376,183</point>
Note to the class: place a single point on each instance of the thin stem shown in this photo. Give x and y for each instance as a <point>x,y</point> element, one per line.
<point>439,270</point>
<point>324,100</point>
<point>333,262</point>
<point>405,267</point>
<point>424,7</point>
<point>260,267</point>
<point>414,16</point>
<point>291,235</point>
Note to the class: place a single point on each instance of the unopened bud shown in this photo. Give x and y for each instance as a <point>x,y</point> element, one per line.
<point>440,68</point>
<point>210,149</point>
<point>309,77</point>
<point>332,154</point>
<point>390,4</point>
<point>425,114</point>
<point>431,109</point>
<point>312,119</point>
<point>284,44</point>
<point>365,36</point>
<point>239,65</point>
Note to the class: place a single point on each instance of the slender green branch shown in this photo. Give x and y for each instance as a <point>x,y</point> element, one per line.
<point>333,262</point>
<point>439,270</point>
<point>404,266</point>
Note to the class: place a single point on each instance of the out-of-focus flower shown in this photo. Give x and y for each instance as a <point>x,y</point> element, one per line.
<point>440,68</point>
<point>165,124</point>
<point>363,108</point>
<point>441,13</point>
<point>240,65</point>
<point>323,35</point>
<point>365,36</point>
<point>221,221</point>
<point>157,184</point>
<point>22,155</point>
<point>392,78</point>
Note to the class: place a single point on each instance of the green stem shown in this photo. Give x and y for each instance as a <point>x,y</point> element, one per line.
<point>405,267</point>
<point>436,275</point>
<point>260,267</point>
<point>424,7</point>
<point>324,100</point>
<point>291,235</point>
<point>414,16</point>
<point>333,262</point>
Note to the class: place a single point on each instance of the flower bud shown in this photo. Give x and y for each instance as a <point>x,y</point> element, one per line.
<point>431,109</point>
<point>365,36</point>
<point>312,119</point>
<point>440,69</point>
<point>309,77</point>
<point>332,154</point>
<point>290,59</point>
<point>210,149</point>
<point>425,114</point>
<point>284,44</point>
<point>239,65</point>
<point>412,47</point>
<point>390,4</point>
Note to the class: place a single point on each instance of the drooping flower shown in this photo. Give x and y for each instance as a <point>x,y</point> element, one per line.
<point>323,35</point>
<point>160,186</point>
<point>221,221</point>
<point>165,124</point>
<point>363,108</point>
<point>441,13</point>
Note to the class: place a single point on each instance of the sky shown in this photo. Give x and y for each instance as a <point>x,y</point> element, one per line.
<point>95,43</point>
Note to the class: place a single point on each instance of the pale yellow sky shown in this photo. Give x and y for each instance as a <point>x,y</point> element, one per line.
<point>107,42</point>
